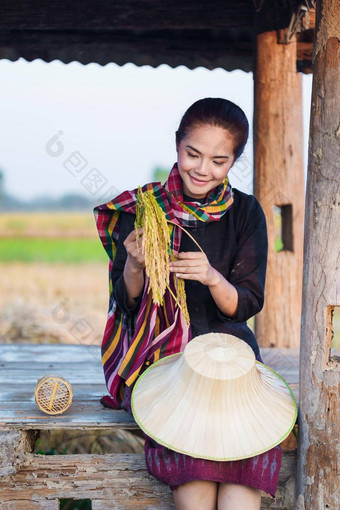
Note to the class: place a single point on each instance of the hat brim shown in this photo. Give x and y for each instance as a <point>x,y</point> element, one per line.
<point>168,412</point>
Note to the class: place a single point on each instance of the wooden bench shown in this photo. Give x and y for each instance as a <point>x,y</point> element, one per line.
<point>111,481</point>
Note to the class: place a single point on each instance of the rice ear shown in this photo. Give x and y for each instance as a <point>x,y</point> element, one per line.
<point>156,246</point>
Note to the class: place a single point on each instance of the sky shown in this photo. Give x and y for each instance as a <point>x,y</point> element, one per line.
<point>98,130</point>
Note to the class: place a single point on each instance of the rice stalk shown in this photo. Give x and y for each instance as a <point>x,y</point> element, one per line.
<point>155,244</point>
<point>181,295</point>
<point>157,250</point>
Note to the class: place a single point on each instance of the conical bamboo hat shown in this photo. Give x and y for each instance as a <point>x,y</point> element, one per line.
<point>214,401</point>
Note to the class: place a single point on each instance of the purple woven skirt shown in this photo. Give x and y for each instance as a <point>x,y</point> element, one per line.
<point>173,468</point>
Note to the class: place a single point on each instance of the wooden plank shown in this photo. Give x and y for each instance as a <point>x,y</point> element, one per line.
<point>29,504</point>
<point>319,424</point>
<point>62,353</point>
<point>79,416</point>
<point>82,392</point>
<point>104,505</point>
<point>284,361</point>
<point>119,480</point>
<point>76,355</point>
<point>92,375</point>
<point>22,365</point>
<point>278,151</point>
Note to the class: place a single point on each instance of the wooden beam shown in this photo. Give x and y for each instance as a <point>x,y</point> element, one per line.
<point>116,481</point>
<point>14,445</point>
<point>319,420</point>
<point>278,153</point>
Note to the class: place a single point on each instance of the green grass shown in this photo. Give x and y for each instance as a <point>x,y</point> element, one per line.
<point>26,249</point>
<point>336,328</point>
<point>278,244</point>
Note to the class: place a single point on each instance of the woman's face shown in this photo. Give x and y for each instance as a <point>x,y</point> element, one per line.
<point>204,158</point>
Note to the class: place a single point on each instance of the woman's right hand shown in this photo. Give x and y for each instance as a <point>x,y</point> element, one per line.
<point>136,259</point>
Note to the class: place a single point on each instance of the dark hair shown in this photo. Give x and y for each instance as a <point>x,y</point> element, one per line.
<point>220,112</point>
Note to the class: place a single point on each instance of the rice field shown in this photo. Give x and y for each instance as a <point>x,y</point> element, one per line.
<point>51,250</point>
<point>50,237</point>
<point>52,266</point>
<point>59,303</point>
<point>48,224</point>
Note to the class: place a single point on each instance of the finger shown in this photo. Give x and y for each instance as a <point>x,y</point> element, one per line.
<point>138,250</point>
<point>133,233</point>
<point>188,276</point>
<point>130,238</point>
<point>185,264</point>
<point>186,270</point>
<point>190,255</point>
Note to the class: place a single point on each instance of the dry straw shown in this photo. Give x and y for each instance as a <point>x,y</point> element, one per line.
<point>53,394</point>
<point>214,401</point>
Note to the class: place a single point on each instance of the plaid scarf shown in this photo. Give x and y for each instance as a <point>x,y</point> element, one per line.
<point>155,331</point>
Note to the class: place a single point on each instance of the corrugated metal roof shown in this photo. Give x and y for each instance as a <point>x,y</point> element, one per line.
<point>146,32</point>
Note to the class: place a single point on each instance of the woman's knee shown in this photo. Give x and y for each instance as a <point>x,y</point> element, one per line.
<point>196,495</point>
<point>233,496</point>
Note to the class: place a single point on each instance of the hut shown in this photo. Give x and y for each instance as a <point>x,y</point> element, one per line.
<point>277,41</point>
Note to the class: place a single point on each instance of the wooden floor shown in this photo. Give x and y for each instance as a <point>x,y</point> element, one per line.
<point>22,365</point>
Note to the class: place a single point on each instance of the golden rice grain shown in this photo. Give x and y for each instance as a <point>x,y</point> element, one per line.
<point>157,249</point>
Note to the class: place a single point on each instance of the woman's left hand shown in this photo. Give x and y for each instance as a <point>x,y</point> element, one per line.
<point>194,265</point>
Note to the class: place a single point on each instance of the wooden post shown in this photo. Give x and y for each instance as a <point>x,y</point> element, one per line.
<point>278,156</point>
<point>319,421</point>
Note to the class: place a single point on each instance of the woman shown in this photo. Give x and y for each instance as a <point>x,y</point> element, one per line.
<point>224,287</point>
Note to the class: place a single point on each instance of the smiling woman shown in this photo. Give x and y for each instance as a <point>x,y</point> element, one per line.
<point>224,285</point>
<point>199,144</point>
<point>198,169</point>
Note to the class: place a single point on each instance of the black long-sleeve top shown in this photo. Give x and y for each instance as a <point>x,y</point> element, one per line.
<point>236,246</point>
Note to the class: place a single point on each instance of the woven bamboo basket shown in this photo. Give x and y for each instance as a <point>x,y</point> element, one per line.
<point>53,394</point>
